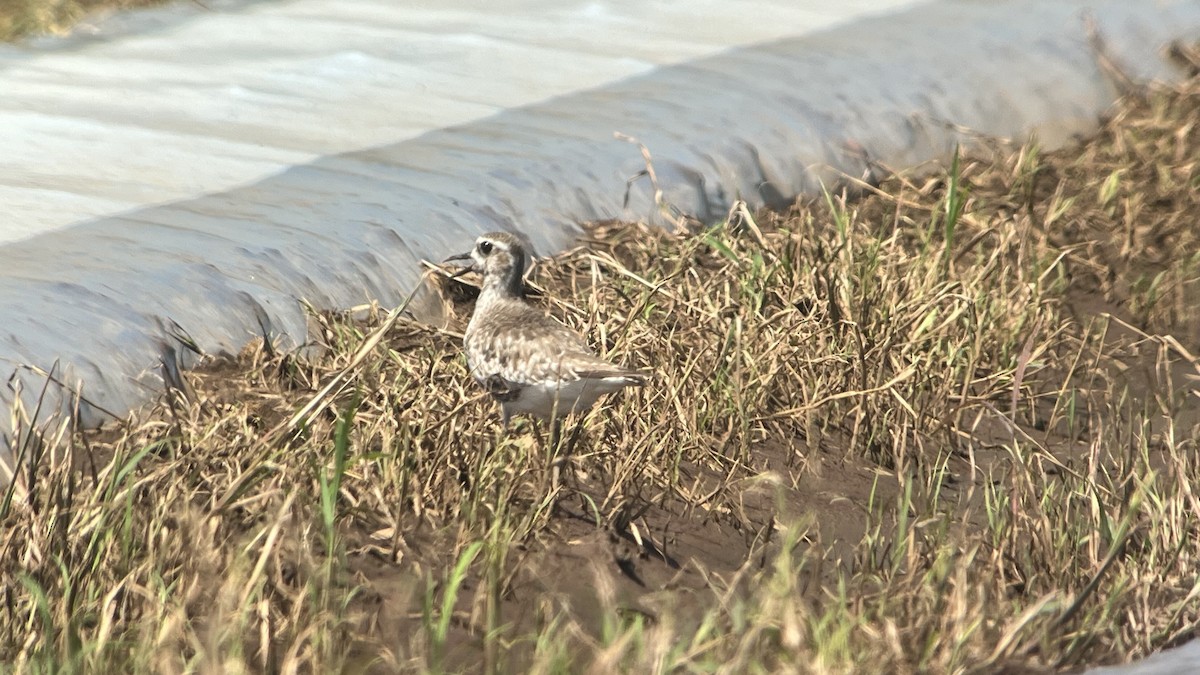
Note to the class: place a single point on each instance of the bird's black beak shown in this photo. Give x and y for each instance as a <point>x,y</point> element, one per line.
<point>460,256</point>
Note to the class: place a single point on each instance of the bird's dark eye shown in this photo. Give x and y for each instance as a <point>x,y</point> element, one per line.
<point>485,247</point>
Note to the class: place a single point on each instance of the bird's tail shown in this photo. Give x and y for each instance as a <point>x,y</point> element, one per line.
<point>629,378</point>
<point>637,378</point>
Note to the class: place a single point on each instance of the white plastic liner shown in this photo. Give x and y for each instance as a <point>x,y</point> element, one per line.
<point>97,294</point>
<point>1184,660</point>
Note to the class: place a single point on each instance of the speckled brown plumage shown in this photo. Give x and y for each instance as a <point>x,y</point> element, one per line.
<point>530,363</point>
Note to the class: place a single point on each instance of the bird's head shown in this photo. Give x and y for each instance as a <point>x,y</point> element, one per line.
<point>501,258</point>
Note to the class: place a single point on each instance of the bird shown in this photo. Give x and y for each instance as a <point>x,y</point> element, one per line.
<point>530,363</point>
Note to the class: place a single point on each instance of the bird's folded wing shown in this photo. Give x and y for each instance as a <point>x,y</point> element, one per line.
<point>538,353</point>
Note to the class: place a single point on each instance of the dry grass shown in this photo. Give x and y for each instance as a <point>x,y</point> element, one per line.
<point>1000,354</point>
<point>22,18</point>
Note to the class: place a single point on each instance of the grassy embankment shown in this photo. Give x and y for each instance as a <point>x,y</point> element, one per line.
<point>948,426</point>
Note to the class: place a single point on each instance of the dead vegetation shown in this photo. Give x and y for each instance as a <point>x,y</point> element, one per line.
<point>24,18</point>
<point>948,427</point>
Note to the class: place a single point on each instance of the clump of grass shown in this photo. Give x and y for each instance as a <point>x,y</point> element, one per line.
<point>970,342</point>
<point>22,18</point>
